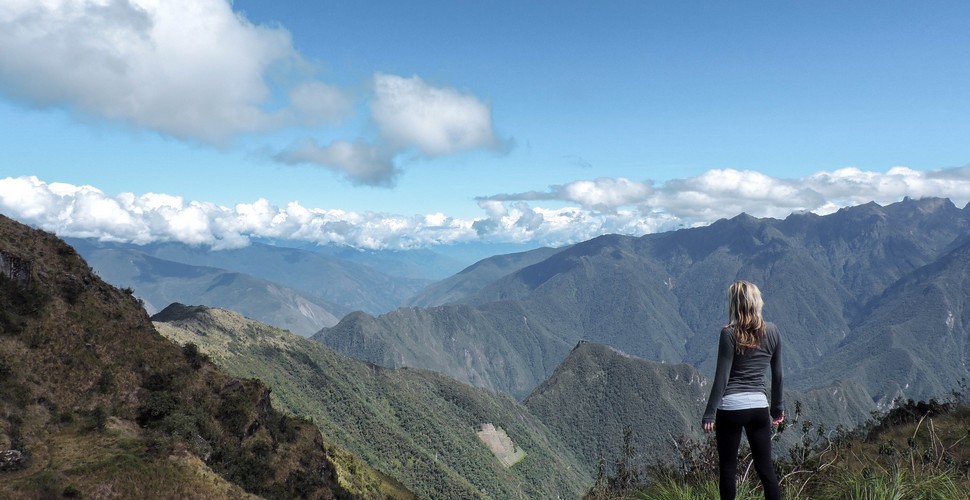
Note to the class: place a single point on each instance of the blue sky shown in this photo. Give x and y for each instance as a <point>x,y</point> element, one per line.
<point>395,124</point>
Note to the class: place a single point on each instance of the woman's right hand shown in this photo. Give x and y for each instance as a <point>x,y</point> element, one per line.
<point>708,426</point>
<point>780,419</point>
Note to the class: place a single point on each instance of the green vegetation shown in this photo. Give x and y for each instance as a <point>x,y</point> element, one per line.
<point>101,405</point>
<point>915,340</point>
<point>597,393</point>
<point>914,451</point>
<point>414,425</point>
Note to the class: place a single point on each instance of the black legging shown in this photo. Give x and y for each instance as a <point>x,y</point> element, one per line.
<point>757,425</point>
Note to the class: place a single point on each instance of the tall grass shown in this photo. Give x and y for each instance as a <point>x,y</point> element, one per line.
<point>915,451</point>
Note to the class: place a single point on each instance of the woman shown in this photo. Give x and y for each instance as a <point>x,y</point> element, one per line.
<point>738,400</point>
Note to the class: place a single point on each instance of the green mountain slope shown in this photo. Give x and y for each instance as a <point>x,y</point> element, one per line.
<point>458,340</point>
<point>914,343</point>
<point>159,283</point>
<point>100,404</point>
<point>414,425</point>
<point>597,392</point>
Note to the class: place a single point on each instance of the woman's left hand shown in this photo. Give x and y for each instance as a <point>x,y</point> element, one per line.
<point>708,426</point>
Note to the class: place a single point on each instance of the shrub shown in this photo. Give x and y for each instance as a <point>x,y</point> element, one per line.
<point>99,419</point>
<point>192,354</point>
<point>106,382</point>
<point>157,406</point>
<point>5,369</point>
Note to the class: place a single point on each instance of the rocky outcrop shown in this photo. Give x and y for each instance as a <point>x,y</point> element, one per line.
<point>15,268</point>
<point>12,460</point>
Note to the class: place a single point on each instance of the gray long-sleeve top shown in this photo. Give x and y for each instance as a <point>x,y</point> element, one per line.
<point>746,372</point>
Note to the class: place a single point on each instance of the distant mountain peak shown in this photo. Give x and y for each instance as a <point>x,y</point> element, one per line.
<point>177,312</point>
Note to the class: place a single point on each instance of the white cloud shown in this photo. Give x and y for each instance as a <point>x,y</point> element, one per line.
<point>603,194</point>
<point>198,71</point>
<point>436,120</point>
<point>409,115</point>
<point>84,211</point>
<point>592,208</point>
<point>628,207</point>
<point>361,163</point>
<point>192,69</point>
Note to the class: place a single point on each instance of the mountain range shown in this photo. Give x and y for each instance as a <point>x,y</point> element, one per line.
<point>158,283</point>
<point>828,281</point>
<point>328,278</point>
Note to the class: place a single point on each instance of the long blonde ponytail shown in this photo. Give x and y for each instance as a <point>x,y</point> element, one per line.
<point>744,315</point>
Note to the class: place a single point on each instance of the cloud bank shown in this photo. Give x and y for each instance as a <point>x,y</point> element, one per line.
<point>579,210</point>
<point>197,71</point>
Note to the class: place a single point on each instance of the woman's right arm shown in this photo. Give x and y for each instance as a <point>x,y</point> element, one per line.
<point>725,358</point>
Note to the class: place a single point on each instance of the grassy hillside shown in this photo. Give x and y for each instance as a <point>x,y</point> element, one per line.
<point>95,403</point>
<point>915,451</point>
<point>414,425</point>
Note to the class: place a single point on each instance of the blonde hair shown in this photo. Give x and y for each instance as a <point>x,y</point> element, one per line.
<point>744,315</point>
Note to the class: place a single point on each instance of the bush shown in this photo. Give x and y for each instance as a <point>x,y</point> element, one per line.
<point>195,357</point>
<point>179,425</point>
<point>5,369</point>
<point>99,419</point>
<point>157,406</point>
<point>106,382</point>
<point>160,381</point>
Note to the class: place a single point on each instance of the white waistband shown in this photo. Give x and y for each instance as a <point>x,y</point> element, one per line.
<point>743,401</point>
